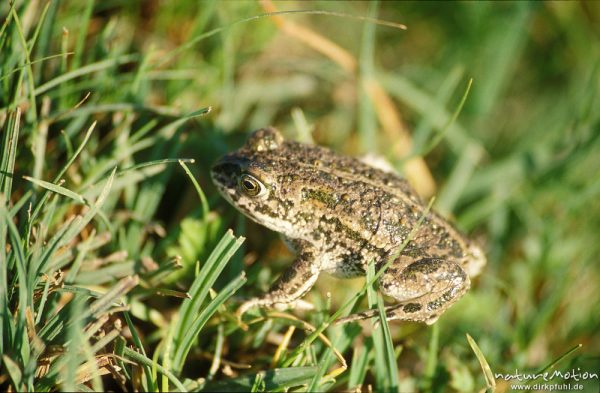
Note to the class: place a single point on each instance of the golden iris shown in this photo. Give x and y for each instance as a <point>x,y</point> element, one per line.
<point>250,185</point>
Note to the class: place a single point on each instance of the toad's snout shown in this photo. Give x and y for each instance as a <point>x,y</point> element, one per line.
<point>227,170</point>
<point>226,167</point>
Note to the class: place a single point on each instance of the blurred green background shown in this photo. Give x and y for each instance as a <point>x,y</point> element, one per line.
<point>518,170</point>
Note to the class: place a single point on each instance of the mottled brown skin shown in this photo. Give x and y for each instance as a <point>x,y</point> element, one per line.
<point>340,214</point>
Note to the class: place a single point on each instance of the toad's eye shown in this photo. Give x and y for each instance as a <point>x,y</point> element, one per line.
<point>251,186</point>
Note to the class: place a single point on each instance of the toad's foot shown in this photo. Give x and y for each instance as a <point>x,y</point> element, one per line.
<point>393,312</point>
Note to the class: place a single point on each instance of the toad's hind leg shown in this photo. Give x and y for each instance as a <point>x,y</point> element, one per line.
<point>424,289</point>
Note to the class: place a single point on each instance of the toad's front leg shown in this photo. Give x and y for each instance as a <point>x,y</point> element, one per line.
<point>294,283</point>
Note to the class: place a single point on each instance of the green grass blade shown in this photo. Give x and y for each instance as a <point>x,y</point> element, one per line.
<point>57,189</point>
<point>367,120</point>
<point>380,371</point>
<point>85,70</point>
<point>38,28</point>
<point>424,129</point>
<point>4,304</point>
<point>554,362</point>
<point>153,163</point>
<point>42,304</point>
<point>5,23</point>
<point>34,62</point>
<point>70,230</point>
<point>40,204</point>
<point>438,138</point>
<point>17,206</point>
<point>359,365</point>
<point>28,68</point>
<point>99,109</point>
<point>84,20</point>
<point>145,361</point>
<point>72,356</point>
<point>54,326</point>
<point>490,381</point>
<point>422,102</point>
<point>259,384</point>
<point>216,362</point>
<point>14,372</point>
<point>106,301</point>
<point>344,336</point>
<point>193,329</point>
<point>9,152</point>
<point>432,357</point>
<point>201,195</point>
<point>501,63</point>
<point>204,281</point>
<point>151,385</point>
<point>25,293</point>
<point>206,278</point>
<point>458,179</point>
<point>391,366</point>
